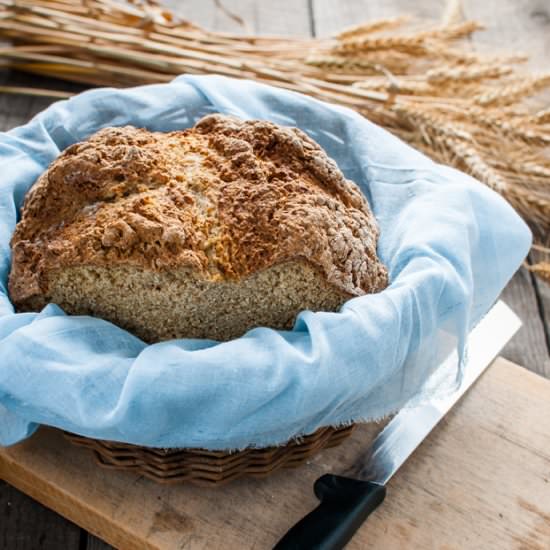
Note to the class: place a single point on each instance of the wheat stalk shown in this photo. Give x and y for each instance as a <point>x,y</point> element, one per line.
<point>510,94</point>
<point>477,165</point>
<point>542,269</point>
<point>516,128</point>
<point>21,90</point>
<point>542,117</point>
<point>415,44</point>
<point>462,73</point>
<point>371,27</point>
<point>364,65</point>
<point>417,115</point>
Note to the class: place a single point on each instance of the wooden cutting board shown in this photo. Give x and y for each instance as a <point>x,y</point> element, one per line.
<point>481,480</point>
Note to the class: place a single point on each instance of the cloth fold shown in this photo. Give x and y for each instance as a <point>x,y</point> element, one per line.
<point>450,245</point>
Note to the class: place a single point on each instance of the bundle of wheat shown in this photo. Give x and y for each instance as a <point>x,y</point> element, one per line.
<point>473,111</point>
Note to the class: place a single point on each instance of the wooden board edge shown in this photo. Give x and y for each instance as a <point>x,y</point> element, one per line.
<point>506,364</point>
<point>69,507</point>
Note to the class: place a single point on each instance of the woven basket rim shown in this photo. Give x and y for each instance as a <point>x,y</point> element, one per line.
<point>205,467</point>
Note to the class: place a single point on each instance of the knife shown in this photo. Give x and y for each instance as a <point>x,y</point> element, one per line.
<point>345,502</point>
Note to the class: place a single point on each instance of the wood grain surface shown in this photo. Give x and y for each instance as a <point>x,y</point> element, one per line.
<point>529,347</point>
<point>516,26</point>
<point>480,480</point>
<point>32,525</point>
<point>512,25</point>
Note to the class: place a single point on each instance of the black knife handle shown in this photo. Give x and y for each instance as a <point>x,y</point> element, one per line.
<point>345,505</point>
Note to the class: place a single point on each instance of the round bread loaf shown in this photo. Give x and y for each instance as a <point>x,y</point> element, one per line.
<point>201,233</point>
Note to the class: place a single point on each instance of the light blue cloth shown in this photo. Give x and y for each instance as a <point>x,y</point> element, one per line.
<point>450,245</point>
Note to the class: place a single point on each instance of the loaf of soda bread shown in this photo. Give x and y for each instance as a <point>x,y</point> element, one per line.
<point>200,233</point>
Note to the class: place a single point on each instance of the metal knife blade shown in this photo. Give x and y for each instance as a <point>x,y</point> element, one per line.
<point>411,425</point>
<point>346,502</point>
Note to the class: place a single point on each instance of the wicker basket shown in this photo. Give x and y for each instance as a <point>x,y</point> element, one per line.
<point>209,468</point>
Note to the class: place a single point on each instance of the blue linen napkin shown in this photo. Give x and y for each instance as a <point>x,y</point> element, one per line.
<point>450,245</point>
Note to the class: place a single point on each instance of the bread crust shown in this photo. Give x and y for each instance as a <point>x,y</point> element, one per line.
<point>226,198</point>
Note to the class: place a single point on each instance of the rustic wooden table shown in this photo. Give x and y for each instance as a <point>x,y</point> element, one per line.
<point>513,25</point>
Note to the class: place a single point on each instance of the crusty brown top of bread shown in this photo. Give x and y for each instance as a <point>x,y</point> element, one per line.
<point>226,198</point>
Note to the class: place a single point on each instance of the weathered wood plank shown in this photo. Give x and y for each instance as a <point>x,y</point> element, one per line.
<point>331,17</point>
<point>286,17</point>
<point>480,480</point>
<point>97,544</point>
<point>543,292</point>
<point>26,525</point>
<point>513,26</point>
<point>528,346</point>
<point>18,109</point>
